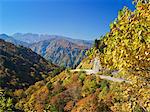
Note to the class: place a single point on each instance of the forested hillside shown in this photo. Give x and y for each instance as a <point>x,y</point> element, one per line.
<point>21,67</point>
<point>62,51</point>
<point>125,50</point>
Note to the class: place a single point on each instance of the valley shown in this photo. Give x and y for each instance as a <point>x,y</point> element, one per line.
<point>62,51</point>
<point>50,73</point>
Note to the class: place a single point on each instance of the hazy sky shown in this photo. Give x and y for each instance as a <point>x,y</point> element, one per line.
<point>83,19</point>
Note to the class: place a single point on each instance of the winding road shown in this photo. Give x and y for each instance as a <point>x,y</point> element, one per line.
<point>96,68</point>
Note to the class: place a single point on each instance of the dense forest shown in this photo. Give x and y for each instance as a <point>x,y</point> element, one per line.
<point>125,49</point>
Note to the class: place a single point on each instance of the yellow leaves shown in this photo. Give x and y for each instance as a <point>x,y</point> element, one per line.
<point>133,41</point>
<point>122,27</point>
<point>111,25</point>
<point>147,53</point>
<point>140,32</point>
<point>128,49</point>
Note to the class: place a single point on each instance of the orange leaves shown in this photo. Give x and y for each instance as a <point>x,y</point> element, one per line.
<point>87,104</point>
<point>69,106</point>
<point>39,98</point>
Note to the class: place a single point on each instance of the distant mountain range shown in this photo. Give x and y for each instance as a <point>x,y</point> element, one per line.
<point>33,38</point>
<point>12,40</point>
<point>61,50</point>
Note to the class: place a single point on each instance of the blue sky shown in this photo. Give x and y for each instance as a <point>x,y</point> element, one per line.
<point>82,19</point>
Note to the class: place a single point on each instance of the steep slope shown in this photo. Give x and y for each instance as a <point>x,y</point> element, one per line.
<point>21,67</point>
<point>124,48</point>
<point>61,51</point>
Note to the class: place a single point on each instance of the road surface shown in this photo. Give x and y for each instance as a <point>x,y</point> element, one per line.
<point>96,69</point>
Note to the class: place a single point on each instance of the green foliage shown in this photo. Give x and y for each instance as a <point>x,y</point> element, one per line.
<point>125,48</point>
<point>21,67</point>
<point>52,108</point>
<point>137,108</point>
<point>128,42</point>
<point>89,86</point>
<point>5,103</point>
<point>57,70</point>
<point>82,76</point>
<point>104,84</point>
<point>90,52</point>
<point>49,85</point>
<point>128,50</point>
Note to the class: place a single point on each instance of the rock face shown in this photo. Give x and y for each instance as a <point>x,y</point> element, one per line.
<point>61,51</point>
<point>21,67</point>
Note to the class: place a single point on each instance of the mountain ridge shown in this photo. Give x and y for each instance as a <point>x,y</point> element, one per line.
<point>21,67</point>
<point>60,50</point>
<point>12,40</point>
<point>30,37</point>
